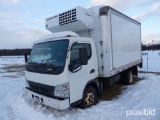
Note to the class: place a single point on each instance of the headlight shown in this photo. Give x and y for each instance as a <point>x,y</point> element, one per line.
<point>62,90</point>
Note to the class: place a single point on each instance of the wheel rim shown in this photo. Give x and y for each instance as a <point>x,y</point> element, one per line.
<point>89,100</point>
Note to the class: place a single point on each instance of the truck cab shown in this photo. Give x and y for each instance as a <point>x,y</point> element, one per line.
<point>59,69</point>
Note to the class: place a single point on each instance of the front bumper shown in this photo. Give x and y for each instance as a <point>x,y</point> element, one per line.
<point>51,102</point>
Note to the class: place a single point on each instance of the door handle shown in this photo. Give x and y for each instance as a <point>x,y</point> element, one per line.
<point>92,71</point>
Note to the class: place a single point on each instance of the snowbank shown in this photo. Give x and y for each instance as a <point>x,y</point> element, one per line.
<point>11,60</point>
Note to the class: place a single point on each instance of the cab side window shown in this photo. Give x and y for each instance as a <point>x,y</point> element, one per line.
<point>75,51</point>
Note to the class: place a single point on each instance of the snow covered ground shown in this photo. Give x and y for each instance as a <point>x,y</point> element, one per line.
<point>137,102</point>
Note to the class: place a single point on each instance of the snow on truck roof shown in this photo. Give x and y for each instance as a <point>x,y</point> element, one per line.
<point>56,36</point>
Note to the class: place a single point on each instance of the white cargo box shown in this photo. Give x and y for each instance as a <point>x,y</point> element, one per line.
<point>117,38</point>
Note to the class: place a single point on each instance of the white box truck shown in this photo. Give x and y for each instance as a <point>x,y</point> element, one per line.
<point>87,49</point>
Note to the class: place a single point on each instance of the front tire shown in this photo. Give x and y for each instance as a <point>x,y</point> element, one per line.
<point>89,97</point>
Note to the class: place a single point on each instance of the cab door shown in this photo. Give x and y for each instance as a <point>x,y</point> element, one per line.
<point>79,75</point>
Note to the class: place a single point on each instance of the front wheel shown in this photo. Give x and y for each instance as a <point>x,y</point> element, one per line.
<point>89,97</point>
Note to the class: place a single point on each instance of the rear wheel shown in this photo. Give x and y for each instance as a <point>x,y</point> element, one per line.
<point>89,97</point>
<point>128,77</point>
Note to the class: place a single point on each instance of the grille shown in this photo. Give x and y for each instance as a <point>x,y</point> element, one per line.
<point>42,89</point>
<point>39,89</point>
<point>67,17</point>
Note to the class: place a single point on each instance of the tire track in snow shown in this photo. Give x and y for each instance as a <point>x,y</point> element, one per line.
<point>11,115</point>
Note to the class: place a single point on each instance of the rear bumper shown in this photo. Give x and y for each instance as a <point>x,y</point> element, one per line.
<point>51,102</point>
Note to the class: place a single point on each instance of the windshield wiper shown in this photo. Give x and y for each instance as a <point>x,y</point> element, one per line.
<point>45,64</point>
<point>48,64</point>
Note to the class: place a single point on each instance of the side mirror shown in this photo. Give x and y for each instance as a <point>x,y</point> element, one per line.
<point>83,56</point>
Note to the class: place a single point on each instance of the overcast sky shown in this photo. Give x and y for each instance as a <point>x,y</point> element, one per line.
<point>23,21</point>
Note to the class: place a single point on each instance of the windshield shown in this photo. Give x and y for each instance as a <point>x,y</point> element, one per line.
<point>49,53</point>
<point>48,57</point>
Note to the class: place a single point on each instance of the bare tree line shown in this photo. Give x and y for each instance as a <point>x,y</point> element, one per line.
<point>14,52</point>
